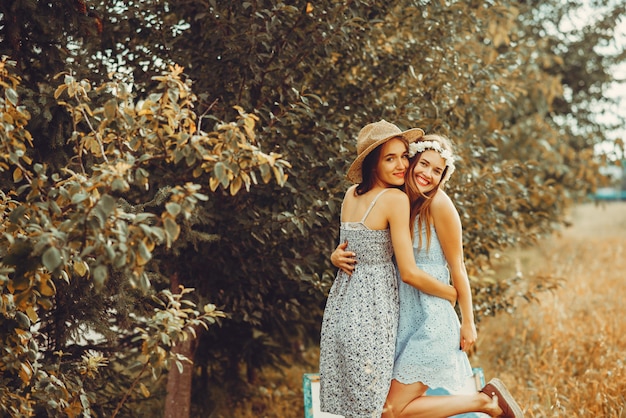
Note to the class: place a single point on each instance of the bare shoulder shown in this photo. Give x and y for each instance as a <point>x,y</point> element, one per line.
<point>395,196</point>
<point>441,198</point>
<point>443,204</point>
<point>350,191</point>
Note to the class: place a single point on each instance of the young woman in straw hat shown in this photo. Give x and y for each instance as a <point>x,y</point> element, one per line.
<point>431,344</point>
<point>360,319</point>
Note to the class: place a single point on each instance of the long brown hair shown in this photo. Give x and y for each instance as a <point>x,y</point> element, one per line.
<point>420,202</point>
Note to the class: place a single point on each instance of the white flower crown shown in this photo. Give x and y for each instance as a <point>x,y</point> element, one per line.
<point>422,146</point>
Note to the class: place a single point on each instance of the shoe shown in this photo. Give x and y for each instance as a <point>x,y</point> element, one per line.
<point>510,408</point>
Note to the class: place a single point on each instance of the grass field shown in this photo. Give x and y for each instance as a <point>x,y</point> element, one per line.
<point>563,355</point>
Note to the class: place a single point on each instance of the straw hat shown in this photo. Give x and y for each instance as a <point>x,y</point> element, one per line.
<point>373,135</point>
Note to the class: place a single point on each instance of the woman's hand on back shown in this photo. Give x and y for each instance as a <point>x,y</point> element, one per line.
<point>342,259</point>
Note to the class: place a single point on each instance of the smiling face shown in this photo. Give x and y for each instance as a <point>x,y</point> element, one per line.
<point>428,170</point>
<point>392,163</point>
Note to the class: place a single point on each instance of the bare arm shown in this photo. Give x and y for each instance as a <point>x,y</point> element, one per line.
<point>449,230</point>
<point>403,250</point>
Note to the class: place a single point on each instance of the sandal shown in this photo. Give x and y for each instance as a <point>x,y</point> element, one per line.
<point>510,408</point>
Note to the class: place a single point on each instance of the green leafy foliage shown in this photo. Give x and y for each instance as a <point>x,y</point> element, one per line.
<point>76,229</point>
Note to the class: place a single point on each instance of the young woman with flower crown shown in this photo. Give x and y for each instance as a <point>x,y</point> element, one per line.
<point>431,344</point>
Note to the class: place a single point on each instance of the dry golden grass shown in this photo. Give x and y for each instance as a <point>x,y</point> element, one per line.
<point>561,356</point>
<point>564,356</point>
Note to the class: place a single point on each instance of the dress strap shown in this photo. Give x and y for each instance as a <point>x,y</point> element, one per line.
<point>367,212</point>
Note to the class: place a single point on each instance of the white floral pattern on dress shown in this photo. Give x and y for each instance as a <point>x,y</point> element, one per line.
<point>359,327</point>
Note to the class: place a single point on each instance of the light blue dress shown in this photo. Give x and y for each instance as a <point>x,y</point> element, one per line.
<point>428,341</point>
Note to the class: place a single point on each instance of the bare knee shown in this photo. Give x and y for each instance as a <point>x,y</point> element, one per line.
<point>388,411</point>
<point>400,396</point>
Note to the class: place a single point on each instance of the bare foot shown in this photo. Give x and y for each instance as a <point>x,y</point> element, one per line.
<point>491,405</point>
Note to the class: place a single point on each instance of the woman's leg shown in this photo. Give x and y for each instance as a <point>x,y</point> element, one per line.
<point>399,396</point>
<point>410,401</point>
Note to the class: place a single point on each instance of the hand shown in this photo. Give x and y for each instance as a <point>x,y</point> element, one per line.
<point>468,335</point>
<point>342,259</point>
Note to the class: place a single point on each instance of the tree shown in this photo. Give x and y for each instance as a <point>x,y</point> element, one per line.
<point>91,228</point>
<point>308,75</point>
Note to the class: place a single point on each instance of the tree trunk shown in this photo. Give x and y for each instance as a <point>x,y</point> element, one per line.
<point>178,398</point>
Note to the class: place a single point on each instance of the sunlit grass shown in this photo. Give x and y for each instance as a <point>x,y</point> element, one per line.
<point>564,356</point>
<point>561,356</point>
